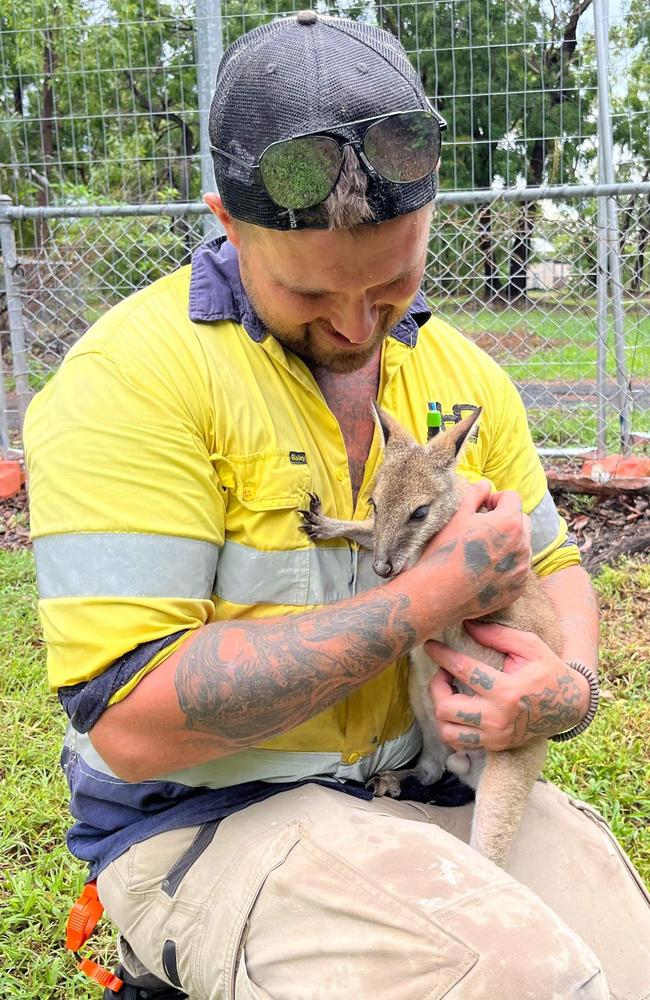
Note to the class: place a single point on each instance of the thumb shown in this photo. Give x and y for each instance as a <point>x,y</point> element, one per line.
<point>505,639</point>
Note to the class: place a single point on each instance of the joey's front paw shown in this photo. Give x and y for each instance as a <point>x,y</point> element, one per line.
<point>314,521</point>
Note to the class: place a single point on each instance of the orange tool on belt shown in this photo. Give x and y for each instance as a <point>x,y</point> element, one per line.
<point>82,920</point>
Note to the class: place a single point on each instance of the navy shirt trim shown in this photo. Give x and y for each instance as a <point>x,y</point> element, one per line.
<point>217,293</point>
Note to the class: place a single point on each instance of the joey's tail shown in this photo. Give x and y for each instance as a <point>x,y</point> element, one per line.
<point>505,785</point>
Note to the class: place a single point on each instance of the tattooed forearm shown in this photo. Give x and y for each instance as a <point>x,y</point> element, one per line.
<point>576,606</point>
<point>551,711</point>
<point>247,682</point>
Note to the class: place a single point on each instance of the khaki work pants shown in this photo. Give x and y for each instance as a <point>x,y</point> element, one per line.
<point>315,895</point>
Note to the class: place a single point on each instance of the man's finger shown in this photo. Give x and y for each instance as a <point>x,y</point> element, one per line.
<point>476,495</point>
<point>461,739</point>
<point>507,502</point>
<point>463,709</point>
<point>511,641</point>
<point>441,688</point>
<point>479,676</point>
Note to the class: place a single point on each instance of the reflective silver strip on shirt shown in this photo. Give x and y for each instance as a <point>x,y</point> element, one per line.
<point>299,576</point>
<point>544,523</point>
<point>269,765</point>
<point>124,564</point>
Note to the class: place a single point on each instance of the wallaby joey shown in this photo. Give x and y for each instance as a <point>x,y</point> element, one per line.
<point>416,493</point>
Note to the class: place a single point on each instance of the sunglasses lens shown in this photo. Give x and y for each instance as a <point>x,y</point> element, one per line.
<point>404,147</point>
<point>301,172</point>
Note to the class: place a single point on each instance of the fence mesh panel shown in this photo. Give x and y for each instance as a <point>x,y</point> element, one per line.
<point>101,103</point>
<point>546,340</point>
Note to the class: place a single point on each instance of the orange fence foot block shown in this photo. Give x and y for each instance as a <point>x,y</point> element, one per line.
<point>11,479</point>
<point>617,467</point>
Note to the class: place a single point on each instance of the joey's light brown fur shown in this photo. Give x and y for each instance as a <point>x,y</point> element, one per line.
<point>422,479</point>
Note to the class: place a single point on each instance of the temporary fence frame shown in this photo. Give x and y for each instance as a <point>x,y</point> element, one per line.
<point>609,298</point>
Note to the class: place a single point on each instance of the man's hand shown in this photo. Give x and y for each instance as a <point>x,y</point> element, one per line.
<point>536,695</point>
<point>487,554</point>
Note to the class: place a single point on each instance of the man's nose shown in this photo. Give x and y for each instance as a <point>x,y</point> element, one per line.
<point>356,321</point>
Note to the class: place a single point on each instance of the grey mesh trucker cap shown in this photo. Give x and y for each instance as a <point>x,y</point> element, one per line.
<point>307,73</point>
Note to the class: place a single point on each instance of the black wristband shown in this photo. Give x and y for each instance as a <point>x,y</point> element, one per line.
<point>593,703</point>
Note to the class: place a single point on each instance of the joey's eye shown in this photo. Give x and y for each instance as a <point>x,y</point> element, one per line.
<point>420,513</point>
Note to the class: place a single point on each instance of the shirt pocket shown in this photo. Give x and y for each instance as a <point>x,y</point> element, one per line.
<point>265,556</point>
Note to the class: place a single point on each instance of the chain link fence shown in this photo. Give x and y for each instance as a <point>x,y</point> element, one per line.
<point>546,338</point>
<point>535,252</point>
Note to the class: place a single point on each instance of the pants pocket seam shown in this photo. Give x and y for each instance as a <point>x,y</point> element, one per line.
<point>349,872</point>
<point>601,823</point>
<point>272,858</point>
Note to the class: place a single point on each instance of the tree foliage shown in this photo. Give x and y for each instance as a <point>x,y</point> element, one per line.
<point>98,101</point>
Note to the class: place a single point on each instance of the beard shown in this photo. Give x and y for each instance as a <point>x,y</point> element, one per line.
<point>310,342</point>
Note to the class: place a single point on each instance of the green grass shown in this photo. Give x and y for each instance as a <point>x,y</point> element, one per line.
<point>552,341</point>
<point>609,768</point>
<point>39,878</point>
<point>558,427</point>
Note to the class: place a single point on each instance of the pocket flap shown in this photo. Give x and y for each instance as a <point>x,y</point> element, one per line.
<point>266,480</point>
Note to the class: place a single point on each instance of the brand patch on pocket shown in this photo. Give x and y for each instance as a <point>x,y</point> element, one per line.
<point>297,458</point>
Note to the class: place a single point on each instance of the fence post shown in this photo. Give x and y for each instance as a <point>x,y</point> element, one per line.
<point>602,327</point>
<point>209,49</point>
<point>606,175</point>
<point>4,424</point>
<point>14,308</point>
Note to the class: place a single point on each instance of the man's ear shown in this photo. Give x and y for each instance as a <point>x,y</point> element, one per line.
<point>216,206</point>
<point>389,428</point>
<point>452,440</point>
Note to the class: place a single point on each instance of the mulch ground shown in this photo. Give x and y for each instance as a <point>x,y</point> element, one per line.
<point>14,522</point>
<point>605,527</point>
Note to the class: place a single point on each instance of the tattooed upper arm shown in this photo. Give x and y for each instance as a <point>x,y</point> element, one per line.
<point>248,682</point>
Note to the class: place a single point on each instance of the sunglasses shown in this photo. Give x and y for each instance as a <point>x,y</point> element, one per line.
<point>300,172</point>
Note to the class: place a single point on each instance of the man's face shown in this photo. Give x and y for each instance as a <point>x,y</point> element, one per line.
<point>332,296</point>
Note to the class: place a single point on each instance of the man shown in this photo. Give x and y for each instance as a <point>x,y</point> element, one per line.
<point>231,687</point>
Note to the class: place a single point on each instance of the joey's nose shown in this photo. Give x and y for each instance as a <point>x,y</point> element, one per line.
<point>382,568</point>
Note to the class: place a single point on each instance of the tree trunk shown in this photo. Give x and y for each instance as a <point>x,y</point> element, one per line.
<point>556,61</point>
<point>639,264</point>
<point>520,253</point>
<point>492,286</point>
<point>18,98</point>
<point>47,133</point>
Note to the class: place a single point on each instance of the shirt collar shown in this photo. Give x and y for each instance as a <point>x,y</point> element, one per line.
<point>217,293</point>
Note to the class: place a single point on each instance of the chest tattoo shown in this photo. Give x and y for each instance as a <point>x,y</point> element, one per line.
<point>349,397</point>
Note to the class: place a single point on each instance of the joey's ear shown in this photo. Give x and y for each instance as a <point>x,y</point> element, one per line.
<point>389,428</point>
<point>453,440</point>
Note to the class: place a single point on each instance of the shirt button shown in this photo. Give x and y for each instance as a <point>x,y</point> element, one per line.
<point>248,493</point>
<point>353,758</point>
<point>341,474</point>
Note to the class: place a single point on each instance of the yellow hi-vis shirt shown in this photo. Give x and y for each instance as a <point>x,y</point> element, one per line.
<point>168,458</point>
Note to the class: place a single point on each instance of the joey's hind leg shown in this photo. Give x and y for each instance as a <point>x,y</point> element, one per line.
<point>433,758</point>
<point>389,782</point>
<point>318,526</point>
